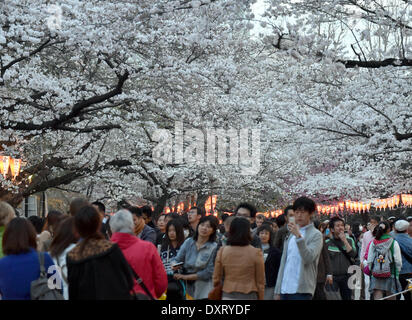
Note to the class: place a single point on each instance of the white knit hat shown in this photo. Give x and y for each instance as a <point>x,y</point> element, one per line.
<point>401,225</point>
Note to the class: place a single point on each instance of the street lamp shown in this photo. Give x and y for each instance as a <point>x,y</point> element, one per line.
<point>13,164</point>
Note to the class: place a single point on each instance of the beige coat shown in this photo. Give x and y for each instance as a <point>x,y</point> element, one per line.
<point>242,268</point>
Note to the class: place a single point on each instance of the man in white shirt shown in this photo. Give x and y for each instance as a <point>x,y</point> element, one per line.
<point>298,269</point>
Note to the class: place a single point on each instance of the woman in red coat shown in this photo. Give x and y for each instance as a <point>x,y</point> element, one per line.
<point>141,255</point>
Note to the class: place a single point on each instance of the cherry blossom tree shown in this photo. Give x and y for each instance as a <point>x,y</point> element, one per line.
<point>345,98</point>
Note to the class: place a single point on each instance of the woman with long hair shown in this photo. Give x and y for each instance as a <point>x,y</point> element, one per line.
<point>64,241</point>
<point>197,255</point>
<point>385,262</point>
<point>52,221</point>
<point>240,265</point>
<point>21,264</point>
<point>96,267</point>
<point>174,238</point>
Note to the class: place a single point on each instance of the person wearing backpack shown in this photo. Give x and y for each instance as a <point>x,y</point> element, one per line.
<point>385,263</point>
<point>405,243</point>
<point>21,265</point>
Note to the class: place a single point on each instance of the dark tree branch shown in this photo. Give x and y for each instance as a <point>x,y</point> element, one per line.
<point>377,64</point>
<point>402,136</point>
<point>42,46</point>
<point>77,110</point>
<point>353,49</point>
<point>89,129</point>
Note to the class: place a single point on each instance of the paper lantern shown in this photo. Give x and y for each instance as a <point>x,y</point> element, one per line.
<point>397,200</point>
<point>4,165</point>
<point>15,165</point>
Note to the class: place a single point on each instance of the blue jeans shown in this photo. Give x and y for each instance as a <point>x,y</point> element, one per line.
<point>296,296</point>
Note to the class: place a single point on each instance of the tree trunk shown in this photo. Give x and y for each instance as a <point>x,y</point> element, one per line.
<point>159,207</point>
<point>201,200</point>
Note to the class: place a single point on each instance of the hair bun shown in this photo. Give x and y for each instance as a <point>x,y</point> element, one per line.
<point>382,226</point>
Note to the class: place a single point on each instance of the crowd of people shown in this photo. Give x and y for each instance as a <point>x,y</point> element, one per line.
<point>90,255</point>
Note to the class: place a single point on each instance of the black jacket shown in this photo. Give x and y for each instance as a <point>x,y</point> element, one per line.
<point>280,237</point>
<point>324,266</point>
<point>272,265</point>
<point>104,276</point>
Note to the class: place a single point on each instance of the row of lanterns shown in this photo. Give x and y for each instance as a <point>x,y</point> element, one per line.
<point>9,164</point>
<point>348,205</point>
<point>352,206</point>
<point>407,199</point>
<point>390,203</point>
<point>210,206</point>
<point>356,206</point>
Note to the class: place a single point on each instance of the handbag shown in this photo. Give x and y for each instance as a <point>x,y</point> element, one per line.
<point>332,292</point>
<point>39,288</point>
<point>216,293</point>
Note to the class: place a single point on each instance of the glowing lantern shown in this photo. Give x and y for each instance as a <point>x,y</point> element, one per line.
<point>407,199</point>
<point>4,165</point>
<point>397,200</point>
<point>15,165</point>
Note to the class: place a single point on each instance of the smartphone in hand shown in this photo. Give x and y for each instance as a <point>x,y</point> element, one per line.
<point>177,265</point>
